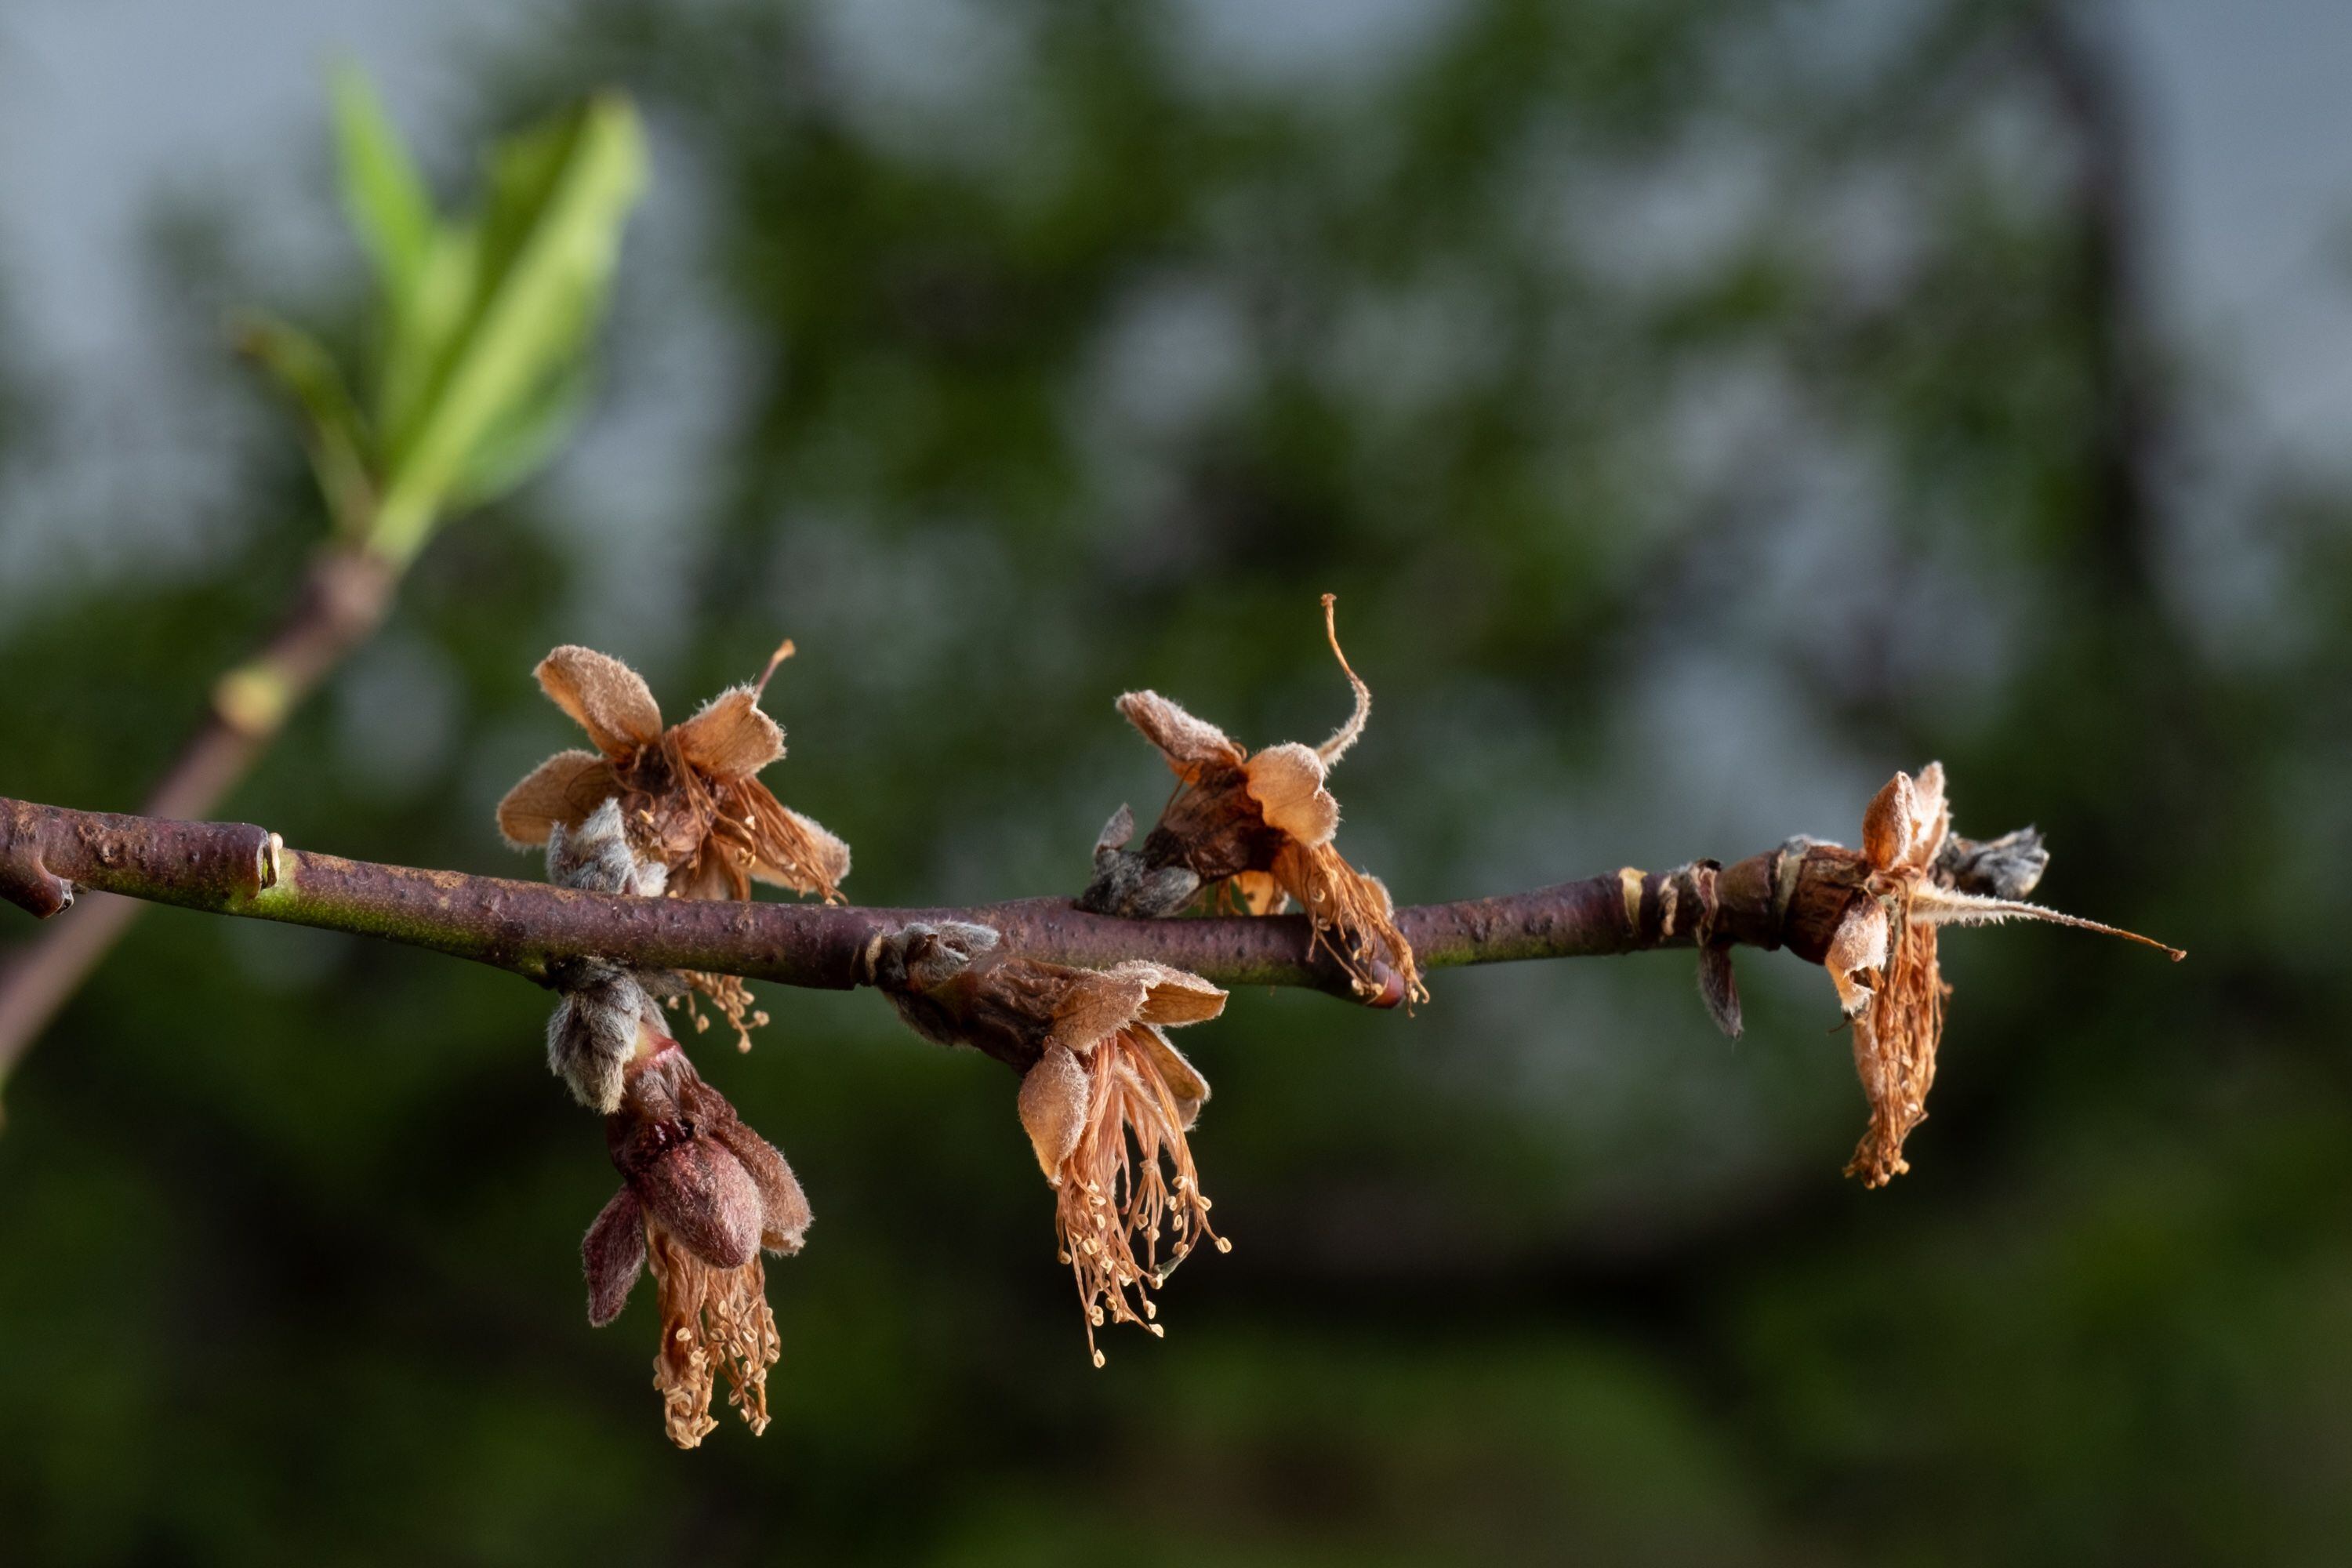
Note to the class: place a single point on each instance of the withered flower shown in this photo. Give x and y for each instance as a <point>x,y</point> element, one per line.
<point>701,1195</point>
<point>1251,830</point>
<point>1913,877</point>
<point>690,793</point>
<point>1105,1099</point>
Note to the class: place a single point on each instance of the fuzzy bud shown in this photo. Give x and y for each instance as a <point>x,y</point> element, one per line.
<point>921,956</point>
<point>1125,883</point>
<point>2009,866</point>
<point>593,1031</point>
<point>596,857</point>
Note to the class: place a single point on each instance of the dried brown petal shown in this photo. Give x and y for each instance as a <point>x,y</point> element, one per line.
<point>784,1214</point>
<point>1053,1103</point>
<point>689,817</point>
<point>1186,1086</point>
<point>731,737</point>
<point>1128,1188</point>
<point>1105,1100</point>
<point>1172,996</point>
<point>614,1254</point>
<point>1882,955</point>
<point>562,790</point>
<point>1259,893</point>
<point>794,851</point>
<point>1094,1004</point>
<point>1287,781</point>
<point>1931,818</point>
<point>1857,951</point>
<point>1191,746</point>
<point>1886,823</point>
<point>1256,835</point>
<point>603,696</point>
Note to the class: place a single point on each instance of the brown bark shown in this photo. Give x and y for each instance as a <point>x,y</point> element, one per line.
<point>343,600</point>
<point>1787,897</point>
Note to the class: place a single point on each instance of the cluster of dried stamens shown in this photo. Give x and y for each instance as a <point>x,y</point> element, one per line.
<point>1252,830</point>
<point>1105,1099</point>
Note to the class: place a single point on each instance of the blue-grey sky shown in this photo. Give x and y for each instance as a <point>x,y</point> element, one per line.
<point>107,105</point>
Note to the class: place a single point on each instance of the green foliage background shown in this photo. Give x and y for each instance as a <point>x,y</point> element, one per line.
<point>1700,410</point>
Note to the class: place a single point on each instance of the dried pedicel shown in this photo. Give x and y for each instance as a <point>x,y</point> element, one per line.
<point>701,1195</point>
<point>1105,1099</point>
<point>1913,877</point>
<point>1251,829</point>
<point>688,795</point>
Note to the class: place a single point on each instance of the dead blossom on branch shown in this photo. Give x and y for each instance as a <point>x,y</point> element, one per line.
<point>1251,831</point>
<point>1105,1099</point>
<point>701,1195</point>
<point>689,794</point>
<point>1882,951</point>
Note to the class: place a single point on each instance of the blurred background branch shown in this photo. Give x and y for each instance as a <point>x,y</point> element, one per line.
<point>485,330</point>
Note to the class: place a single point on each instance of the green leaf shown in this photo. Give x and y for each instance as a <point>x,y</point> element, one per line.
<point>502,313</point>
<point>333,431</point>
<point>383,197</point>
<point>421,328</point>
<point>522,440</point>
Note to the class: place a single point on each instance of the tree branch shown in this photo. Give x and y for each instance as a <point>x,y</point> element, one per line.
<point>1787,897</point>
<point>343,600</point>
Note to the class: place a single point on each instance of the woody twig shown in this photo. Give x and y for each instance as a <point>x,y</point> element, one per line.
<point>1789,897</point>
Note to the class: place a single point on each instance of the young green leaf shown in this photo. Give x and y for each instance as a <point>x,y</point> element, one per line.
<point>383,197</point>
<point>501,317</point>
<point>333,431</point>
<point>524,437</point>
